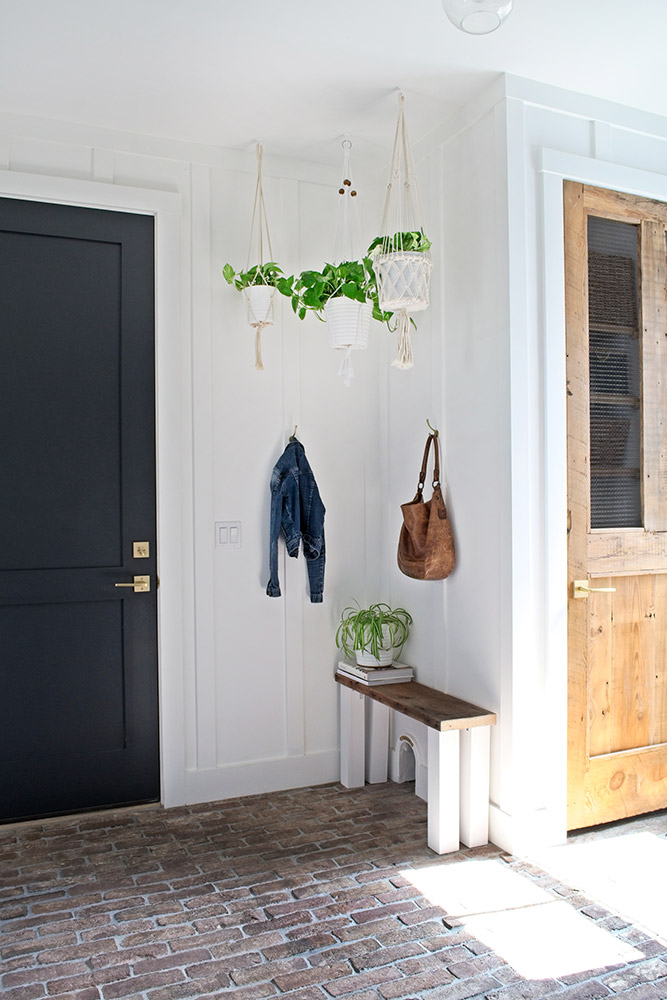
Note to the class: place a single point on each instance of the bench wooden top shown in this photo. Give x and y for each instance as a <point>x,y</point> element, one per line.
<point>434,708</point>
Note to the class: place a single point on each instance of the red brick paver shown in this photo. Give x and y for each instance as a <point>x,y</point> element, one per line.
<point>302,893</point>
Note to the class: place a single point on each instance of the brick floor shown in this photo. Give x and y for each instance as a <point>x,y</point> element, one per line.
<point>305,893</point>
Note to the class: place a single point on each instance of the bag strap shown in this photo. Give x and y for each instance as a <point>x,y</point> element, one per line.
<point>436,462</point>
<point>436,468</point>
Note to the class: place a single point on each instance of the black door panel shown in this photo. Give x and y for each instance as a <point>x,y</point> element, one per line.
<point>78,655</point>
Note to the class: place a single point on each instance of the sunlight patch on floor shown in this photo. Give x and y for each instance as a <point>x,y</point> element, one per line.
<point>626,873</point>
<point>539,935</point>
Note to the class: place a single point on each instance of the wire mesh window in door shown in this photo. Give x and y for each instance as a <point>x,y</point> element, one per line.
<point>614,351</point>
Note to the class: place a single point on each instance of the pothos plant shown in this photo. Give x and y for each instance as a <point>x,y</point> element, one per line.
<point>372,629</point>
<point>261,274</point>
<point>352,279</point>
<point>414,241</point>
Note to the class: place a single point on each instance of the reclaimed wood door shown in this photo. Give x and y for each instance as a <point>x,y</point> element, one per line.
<point>616,319</point>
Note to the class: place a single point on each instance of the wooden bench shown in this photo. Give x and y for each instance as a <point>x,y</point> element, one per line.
<point>458,754</point>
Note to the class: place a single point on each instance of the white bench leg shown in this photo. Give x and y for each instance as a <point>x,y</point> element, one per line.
<point>443,791</point>
<point>352,737</point>
<point>475,744</point>
<point>377,742</point>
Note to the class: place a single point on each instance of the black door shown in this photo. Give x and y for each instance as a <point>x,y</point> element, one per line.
<point>78,654</point>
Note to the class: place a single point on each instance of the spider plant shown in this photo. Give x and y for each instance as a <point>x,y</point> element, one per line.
<point>372,629</point>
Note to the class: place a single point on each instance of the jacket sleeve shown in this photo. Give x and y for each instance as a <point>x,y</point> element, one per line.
<point>313,543</point>
<point>315,566</point>
<point>273,586</point>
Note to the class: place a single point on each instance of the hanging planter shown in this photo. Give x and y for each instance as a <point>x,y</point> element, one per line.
<point>348,323</point>
<point>401,257</point>
<point>259,285</point>
<point>403,275</point>
<point>343,294</point>
<point>260,282</point>
<point>260,304</point>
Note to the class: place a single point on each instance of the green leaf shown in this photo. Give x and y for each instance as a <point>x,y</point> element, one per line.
<point>312,297</point>
<point>310,278</point>
<point>258,274</point>
<point>414,240</point>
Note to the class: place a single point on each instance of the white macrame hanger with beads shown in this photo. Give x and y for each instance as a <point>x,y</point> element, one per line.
<point>347,240</point>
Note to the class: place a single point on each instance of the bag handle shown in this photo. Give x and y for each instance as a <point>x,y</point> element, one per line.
<point>436,468</point>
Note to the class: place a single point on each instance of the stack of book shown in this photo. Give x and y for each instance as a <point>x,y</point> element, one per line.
<point>394,674</point>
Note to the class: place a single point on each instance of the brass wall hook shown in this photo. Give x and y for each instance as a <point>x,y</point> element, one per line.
<point>432,429</point>
<point>293,434</point>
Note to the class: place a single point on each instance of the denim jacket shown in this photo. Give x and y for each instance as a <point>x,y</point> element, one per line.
<point>297,508</point>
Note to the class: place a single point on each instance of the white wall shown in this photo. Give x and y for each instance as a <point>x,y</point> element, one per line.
<point>248,699</point>
<point>410,398</point>
<point>504,159</point>
<point>472,314</point>
<point>265,665</point>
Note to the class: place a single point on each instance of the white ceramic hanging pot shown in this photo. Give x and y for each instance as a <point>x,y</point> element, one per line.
<point>403,280</point>
<point>260,304</point>
<point>348,322</point>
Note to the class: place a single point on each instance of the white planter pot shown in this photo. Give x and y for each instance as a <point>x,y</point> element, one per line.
<point>387,655</point>
<point>260,304</point>
<point>403,280</point>
<point>348,322</point>
<point>365,659</point>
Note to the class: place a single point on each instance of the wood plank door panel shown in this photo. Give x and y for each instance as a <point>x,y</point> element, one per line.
<point>616,304</point>
<point>78,655</point>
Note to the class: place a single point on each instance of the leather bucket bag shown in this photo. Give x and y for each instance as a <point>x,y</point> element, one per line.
<point>426,542</point>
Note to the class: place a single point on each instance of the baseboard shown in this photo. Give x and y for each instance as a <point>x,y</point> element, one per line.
<point>523,835</point>
<point>500,828</point>
<point>259,777</point>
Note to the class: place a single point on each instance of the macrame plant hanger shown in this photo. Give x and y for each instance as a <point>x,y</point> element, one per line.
<point>259,295</point>
<point>403,275</point>
<point>352,334</point>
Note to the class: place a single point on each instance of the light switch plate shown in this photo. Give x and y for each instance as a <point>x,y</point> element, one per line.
<point>228,534</point>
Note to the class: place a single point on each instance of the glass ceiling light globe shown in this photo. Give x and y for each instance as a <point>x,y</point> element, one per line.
<point>477,17</point>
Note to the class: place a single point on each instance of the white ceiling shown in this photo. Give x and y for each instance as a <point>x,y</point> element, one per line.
<point>299,74</point>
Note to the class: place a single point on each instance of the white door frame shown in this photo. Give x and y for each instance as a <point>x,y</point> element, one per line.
<point>554,167</point>
<point>172,421</point>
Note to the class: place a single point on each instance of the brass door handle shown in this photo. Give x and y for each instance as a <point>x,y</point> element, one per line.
<point>140,584</point>
<point>581,589</point>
